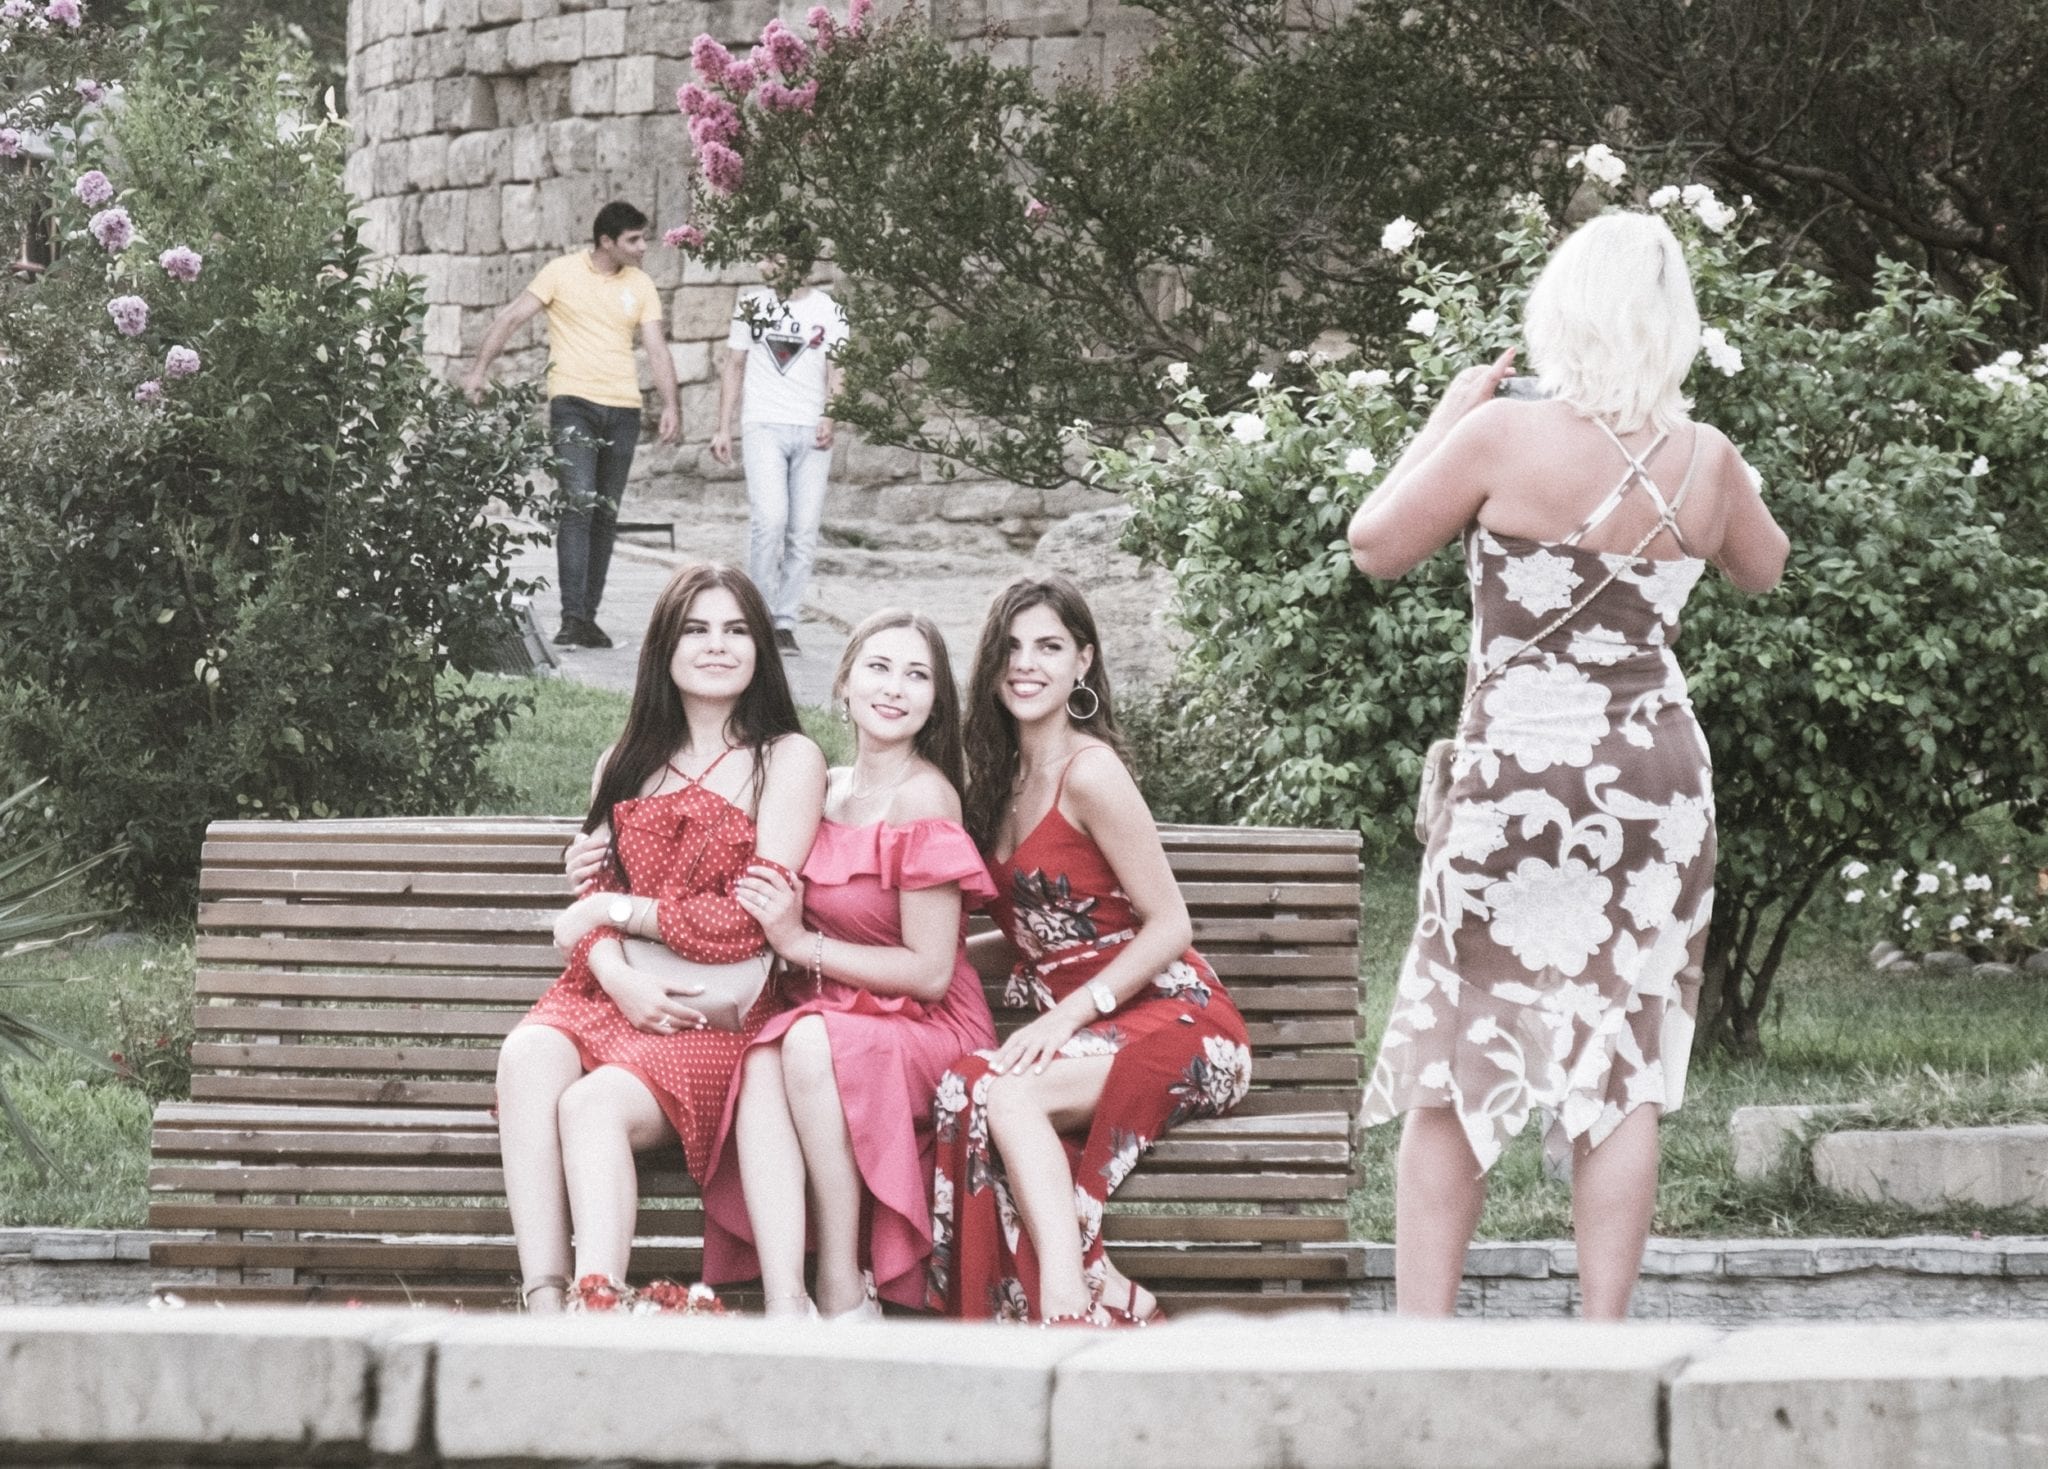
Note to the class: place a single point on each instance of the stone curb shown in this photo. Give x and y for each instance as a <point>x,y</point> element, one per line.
<point>432,1388</point>
<point>2016,1256</point>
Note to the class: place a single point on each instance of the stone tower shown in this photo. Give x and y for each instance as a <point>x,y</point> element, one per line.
<point>489,132</point>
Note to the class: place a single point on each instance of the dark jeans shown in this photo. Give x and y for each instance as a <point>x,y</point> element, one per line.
<point>595,445</point>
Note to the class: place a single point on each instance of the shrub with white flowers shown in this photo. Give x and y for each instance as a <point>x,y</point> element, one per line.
<point>1890,686</point>
<point>1998,915</point>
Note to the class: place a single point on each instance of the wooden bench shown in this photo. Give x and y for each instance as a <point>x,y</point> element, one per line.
<point>355,977</point>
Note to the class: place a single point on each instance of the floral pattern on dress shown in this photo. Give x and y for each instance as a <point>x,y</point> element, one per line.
<point>1564,900</point>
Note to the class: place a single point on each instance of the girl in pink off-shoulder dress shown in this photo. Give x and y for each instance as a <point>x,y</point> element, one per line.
<point>833,1098</point>
<point>710,777</point>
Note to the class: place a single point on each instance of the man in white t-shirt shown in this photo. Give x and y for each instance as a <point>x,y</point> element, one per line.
<point>781,375</point>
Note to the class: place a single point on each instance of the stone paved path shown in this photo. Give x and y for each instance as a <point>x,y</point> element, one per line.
<point>951,587</point>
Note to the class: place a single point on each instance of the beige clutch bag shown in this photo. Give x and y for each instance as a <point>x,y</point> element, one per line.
<point>725,993</point>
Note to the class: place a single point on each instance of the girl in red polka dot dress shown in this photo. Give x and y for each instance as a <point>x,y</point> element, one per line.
<point>710,776</point>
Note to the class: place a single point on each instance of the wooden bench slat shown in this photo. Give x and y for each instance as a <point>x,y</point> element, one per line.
<point>391,1091</point>
<point>411,1060</point>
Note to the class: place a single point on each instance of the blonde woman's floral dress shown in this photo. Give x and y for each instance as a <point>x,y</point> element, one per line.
<point>1565,898</point>
<point>1181,1051</point>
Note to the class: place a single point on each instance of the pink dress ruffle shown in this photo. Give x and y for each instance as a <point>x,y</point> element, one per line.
<point>888,1051</point>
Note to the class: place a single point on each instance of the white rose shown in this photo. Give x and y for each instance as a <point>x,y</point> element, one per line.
<point>1854,895</point>
<point>2008,359</point>
<point>1715,215</point>
<point>1399,235</point>
<point>1721,356</point>
<point>1959,922</point>
<point>1361,461</point>
<point>1854,870</point>
<point>1926,883</point>
<point>1297,357</point>
<point>1423,322</point>
<point>1247,428</point>
<point>1665,197</point>
<point>1177,374</point>
<point>1979,467</point>
<point>1600,163</point>
<point>1258,382</point>
<point>1368,377</point>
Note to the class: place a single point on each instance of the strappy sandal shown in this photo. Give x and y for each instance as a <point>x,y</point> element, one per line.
<point>870,1307</point>
<point>545,1282</point>
<point>809,1312</point>
<point>1127,1313</point>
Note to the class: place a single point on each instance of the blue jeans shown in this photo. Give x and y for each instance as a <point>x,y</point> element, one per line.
<point>787,476</point>
<point>595,445</point>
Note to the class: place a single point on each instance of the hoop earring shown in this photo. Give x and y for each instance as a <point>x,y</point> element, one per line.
<point>845,712</point>
<point>1094,704</point>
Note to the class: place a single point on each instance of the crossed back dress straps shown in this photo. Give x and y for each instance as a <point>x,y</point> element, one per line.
<point>1638,475</point>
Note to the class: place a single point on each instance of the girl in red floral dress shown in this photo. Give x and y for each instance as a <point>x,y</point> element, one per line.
<point>711,775</point>
<point>1135,1034</point>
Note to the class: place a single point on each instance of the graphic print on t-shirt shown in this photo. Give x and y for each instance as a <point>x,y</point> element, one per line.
<point>786,342</point>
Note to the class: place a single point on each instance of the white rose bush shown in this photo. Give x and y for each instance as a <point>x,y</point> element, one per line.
<point>1886,691</point>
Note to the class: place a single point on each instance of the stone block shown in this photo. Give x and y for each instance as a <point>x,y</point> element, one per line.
<point>604,33</point>
<point>1866,1396</point>
<point>465,104</point>
<point>734,22</point>
<point>475,159</point>
<point>1011,51</point>
<point>480,222</point>
<point>547,94</point>
<point>1045,17</point>
<point>567,206</point>
<point>1786,1258</point>
<point>579,1391</point>
<point>1128,35</point>
<point>558,39</point>
<point>620,145</point>
<point>426,162</point>
<point>519,216</point>
<point>692,361</point>
<point>444,331</point>
<point>590,87</point>
<point>572,146</point>
<point>520,53</point>
<point>1056,60</point>
<point>498,12</point>
<point>1071,499</point>
<point>71,1244</point>
<point>875,463</point>
<point>909,504</point>
<point>989,500</point>
<point>462,277</point>
<point>1947,959</point>
<point>441,53</point>
<point>270,1385</point>
<point>417,106</point>
<point>1930,1169</point>
<point>1318,1390</point>
<point>1763,1136</point>
<point>633,88</point>
<point>410,239</point>
<point>460,15</point>
<point>529,153</point>
<point>1516,1298</point>
<point>443,221</point>
<point>486,54</point>
<point>2026,1257</point>
<point>1530,1262</point>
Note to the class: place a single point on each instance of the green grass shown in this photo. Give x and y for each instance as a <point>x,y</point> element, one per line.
<point>1926,1050</point>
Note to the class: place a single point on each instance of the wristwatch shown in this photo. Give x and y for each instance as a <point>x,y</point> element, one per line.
<point>620,913</point>
<point>1103,996</point>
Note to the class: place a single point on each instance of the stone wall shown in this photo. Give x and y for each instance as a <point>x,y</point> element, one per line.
<point>429,1388</point>
<point>489,132</point>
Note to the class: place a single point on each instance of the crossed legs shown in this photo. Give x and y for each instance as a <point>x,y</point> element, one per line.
<point>568,1138</point>
<point>1439,1193</point>
<point>793,1142</point>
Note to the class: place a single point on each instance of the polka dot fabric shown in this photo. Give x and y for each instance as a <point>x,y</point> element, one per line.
<point>684,848</point>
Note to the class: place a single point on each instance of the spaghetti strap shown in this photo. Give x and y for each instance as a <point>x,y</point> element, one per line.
<point>1638,473</point>
<point>1060,785</point>
<point>1691,467</point>
<point>697,780</point>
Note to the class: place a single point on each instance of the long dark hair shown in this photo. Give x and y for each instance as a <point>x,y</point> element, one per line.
<point>939,740</point>
<point>655,726</point>
<point>991,732</point>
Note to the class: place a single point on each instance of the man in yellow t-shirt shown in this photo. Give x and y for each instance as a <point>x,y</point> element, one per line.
<point>597,300</point>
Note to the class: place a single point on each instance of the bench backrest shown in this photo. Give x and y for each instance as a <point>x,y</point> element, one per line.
<point>379,962</point>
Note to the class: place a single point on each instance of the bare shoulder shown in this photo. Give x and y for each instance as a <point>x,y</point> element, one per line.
<point>794,755</point>
<point>926,796</point>
<point>603,762</point>
<point>1097,775</point>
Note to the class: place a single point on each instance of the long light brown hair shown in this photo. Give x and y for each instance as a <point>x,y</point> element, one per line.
<point>939,741</point>
<point>655,726</point>
<point>991,733</point>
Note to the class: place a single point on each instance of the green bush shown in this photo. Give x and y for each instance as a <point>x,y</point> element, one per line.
<point>1887,690</point>
<point>236,594</point>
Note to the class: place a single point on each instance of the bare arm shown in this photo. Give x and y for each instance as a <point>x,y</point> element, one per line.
<point>922,965</point>
<point>1753,548</point>
<point>835,379</point>
<point>663,369</point>
<point>1437,485</point>
<point>731,383</point>
<point>521,309</point>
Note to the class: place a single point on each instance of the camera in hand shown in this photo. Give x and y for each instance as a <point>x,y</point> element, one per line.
<point>1527,388</point>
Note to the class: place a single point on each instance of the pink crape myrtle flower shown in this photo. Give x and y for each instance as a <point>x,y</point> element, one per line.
<point>719,127</point>
<point>778,98</point>
<point>710,60</point>
<point>113,229</point>
<point>180,362</point>
<point>89,91</point>
<point>692,100</point>
<point>721,167</point>
<point>820,20</point>
<point>149,392</point>
<point>10,143</point>
<point>181,263</point>
<point>1036,210</point>
<point>93,188</point>
<point>857,15</point>
<point>785,48</point>
<point>15,9</point>
<point>131,315</point>
<point>740,78</point>
<point>684,237</point>
<point>65,13</point>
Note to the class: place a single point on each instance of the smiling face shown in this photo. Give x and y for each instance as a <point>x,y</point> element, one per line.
<point>890,687</point>
<point>714,658</point>
<point>1044,663</point>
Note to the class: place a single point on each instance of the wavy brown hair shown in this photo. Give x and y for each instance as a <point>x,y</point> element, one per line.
<point>939,740</point>
<point>991,731</point>
<point>655,727</point>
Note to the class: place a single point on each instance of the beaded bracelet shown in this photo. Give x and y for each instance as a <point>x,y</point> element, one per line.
<point>817,961</point>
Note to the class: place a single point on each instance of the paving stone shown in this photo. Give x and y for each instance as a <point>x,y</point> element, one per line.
<point>1677,1257</point>
<point>1763,1137</point>
<point>1933,1168</point>
<point>1531,1262</point>
<point>1945,959</point>
<point>1308,1391</point>
<point>640,1390</point>
<point>277,1383</point>
<point>1865,1397</point>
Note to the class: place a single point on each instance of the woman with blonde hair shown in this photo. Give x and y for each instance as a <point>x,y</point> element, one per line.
<point>1567,883</point>
<point>833,1099</point>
